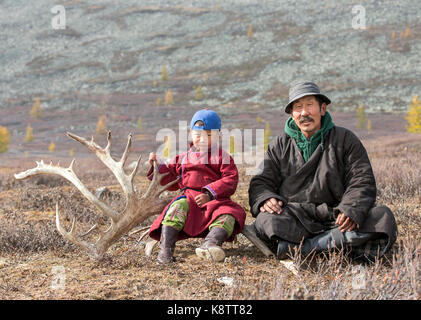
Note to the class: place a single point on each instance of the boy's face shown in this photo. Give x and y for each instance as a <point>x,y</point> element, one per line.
<point>204,139</point>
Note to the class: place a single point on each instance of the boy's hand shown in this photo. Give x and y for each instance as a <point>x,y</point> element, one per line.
<point>201,199</point>
<point>152,157</point>
<point>272,205</point>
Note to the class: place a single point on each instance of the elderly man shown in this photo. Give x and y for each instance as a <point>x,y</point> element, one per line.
<point>317,189</point>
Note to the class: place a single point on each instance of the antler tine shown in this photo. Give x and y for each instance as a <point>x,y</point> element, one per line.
<point>104,155</point>
<point>163,188</point>
<point>108,147</point>
<point>103,233</point>
<point>72,164</point>
<point>133,174</point>
<point>155,187</point>
<point>91,145</point>
<point>71,237</point>
<point>126,151</point>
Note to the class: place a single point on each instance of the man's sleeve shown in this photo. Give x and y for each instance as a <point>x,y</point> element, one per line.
<point>267,184</point>
<point>360,184</point>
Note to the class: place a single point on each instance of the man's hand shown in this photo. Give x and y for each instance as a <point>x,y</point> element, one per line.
<point>345,223</point>
<point>272,205</point>
<point>201,199</point>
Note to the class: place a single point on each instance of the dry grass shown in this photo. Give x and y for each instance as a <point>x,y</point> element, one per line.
<point>30,247</point>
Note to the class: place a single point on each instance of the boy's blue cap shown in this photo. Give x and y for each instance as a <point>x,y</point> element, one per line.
<point>210,119</point>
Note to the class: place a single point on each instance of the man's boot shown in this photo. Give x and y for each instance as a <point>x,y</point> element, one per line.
<point>325,241</point>
<point>285,248</point>
<point>211,249</point>
<point>328,240</point>
<point>169,237</point>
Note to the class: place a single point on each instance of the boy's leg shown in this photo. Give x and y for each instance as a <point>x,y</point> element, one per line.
<point>220,230</point>
<point>173,222</point>
<point>226,222</point>
<point>176,214</point>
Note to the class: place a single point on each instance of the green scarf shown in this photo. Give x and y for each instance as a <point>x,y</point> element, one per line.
<point>307,147</point>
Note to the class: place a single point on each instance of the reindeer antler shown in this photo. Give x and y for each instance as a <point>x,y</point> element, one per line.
<point>135,211</point>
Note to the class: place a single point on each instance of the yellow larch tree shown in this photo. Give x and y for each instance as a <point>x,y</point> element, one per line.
<point>369,126</point>
<point>101,126</point>
<point>168,98</point>
<point>268,135</point>
<point>414,116</point>
<point>232,145</point>
<point>167,147</point>
<point>4,139</point>
<point>250,31</point>
<point>199,93</point>
<point>361,118</point>
<point>29,134</point>
<point>139,123</point>
<point>36,110</point>
<point>164,74</point>
<point>393,36</point>
<point>52,146</point>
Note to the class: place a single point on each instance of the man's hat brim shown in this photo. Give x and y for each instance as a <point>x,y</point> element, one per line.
<point>289,105</point>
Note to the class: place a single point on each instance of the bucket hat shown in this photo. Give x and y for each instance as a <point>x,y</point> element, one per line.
<point>301,89</point>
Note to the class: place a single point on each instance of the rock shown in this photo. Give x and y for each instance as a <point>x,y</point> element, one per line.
<point>3,262</point>
<point>226,280</point>
<point>102,193</point>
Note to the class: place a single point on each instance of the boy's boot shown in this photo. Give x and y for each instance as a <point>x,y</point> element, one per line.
<point>211,249</point>
<point>169,237</point>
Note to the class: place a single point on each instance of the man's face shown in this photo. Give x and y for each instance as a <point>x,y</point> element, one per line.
<point>307,114</point>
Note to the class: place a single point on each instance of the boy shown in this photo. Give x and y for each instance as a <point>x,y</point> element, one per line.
<point>207,177</point>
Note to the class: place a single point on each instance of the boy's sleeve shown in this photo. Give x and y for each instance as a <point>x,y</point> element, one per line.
<point>163,168</point>
<point>227,184</point>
